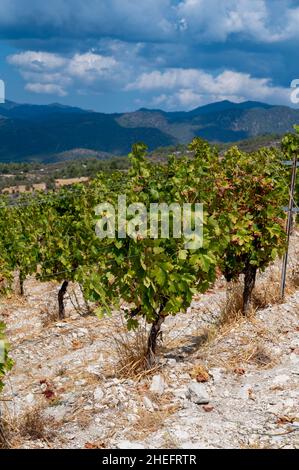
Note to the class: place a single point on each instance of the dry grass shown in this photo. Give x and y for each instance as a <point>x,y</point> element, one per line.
<point>200,373</point>
<point>267,289</point>
<point>261,357</point>
<point>265,293</point>
<point>31,425</point>
<point>152,421</point>
<point>49,316</point>
<point>4,435</point>
<point>232,310</point>
<point>250,352</point>
<point>130,348</point>
<point>294,277</point>
<point>80,305</point>
<point>245,351</point>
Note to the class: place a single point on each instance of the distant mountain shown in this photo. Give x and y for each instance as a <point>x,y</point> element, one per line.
<point>39,132</point>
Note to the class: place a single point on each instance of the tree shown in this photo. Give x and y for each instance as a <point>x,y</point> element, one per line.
<point>67,233</point>
<point>156,277</point>
<point>251,195</point>
<point>20,232</point>
<point>69,241</point>
<point>290,147</point>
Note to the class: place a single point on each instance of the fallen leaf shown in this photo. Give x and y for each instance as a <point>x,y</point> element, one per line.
<point>94,445</point>
<point>49,394</point>
<point>276,388</point>
<point>47,389</point>
<point>77,344</point>
<point>90,445</point>
<point>200,373</point>
<point>239,371</point>
<point>295,351</point>
<point>285,420</point>
<point>208,408</point>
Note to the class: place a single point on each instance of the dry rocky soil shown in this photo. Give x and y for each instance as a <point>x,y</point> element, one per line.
<point>234,386</point>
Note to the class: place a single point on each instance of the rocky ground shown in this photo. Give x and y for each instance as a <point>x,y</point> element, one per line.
<point>229,386</point>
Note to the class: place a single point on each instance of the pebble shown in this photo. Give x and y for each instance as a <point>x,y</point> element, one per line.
<point>30,399</point>
<point>217,374</point>
<point>94,370</point>
<point>148,404</point>
<point>98,394</point>
<point>197,393</point>
<point>181,434</point>
<point>61,325</point>
<point>171,362</point>
<point>281,379</point>
<point>129,445</point>
<point>157,385</point>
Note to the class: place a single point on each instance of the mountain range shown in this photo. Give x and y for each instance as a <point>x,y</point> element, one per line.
<point>43,132</point>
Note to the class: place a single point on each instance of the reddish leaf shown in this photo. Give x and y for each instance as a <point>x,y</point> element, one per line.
<point>285,420</point>
<point>208,408</point>
<point>239,371</point>
<point>49,394</point>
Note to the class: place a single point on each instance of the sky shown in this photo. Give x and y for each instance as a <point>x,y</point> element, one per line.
<point>121,55</point>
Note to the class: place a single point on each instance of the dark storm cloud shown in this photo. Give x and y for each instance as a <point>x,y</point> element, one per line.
<point>118,45</point>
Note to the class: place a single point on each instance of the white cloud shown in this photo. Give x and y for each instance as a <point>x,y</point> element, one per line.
<point>52,73</point>
<point>258,20</point>
<point>46,77</point>
<point>183,98</point>
<point>151,20</point>
<point>187,88</point>
<point>171,78</point>
<point>38,61</point>
<point>90,66</point>
<point>47,88</point>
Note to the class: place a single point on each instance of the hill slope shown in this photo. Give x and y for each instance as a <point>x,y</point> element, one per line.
<point>37,132</point>
<point>252,386</point>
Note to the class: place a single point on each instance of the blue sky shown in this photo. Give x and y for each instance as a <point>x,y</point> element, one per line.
<point>120,55</point>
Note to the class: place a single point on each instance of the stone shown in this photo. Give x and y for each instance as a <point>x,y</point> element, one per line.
<point>289,403</point>
<point>294,358</point>
<point>192,445</point>
<point>197,393</point>
<point>275,408</point>
<point>30,399</point>
<point>181,435</point>
<point>281,379</point>
<point>171,362</point>
<point>98,394</point>
<point>82,332</point>
<point>80,382</point>
<point>157,385</point>
<point>148,404</point>
<point>208,408</point>
<point>294,344</point>
<point>57,412</point>
<point>94,370</point>
<point>60,325</point>
<point>180,392</point>
<point>129,445</point>
<point>244,392</point>
<point>217,374</point>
